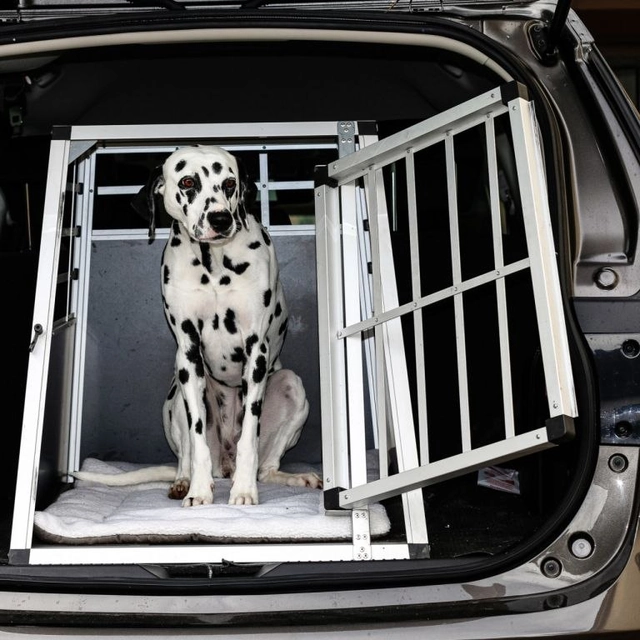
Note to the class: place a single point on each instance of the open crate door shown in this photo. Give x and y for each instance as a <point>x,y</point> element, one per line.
<point>352,203</point>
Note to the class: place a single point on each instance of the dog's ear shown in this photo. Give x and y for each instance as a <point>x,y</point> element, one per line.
<point>248,190</point>
<point>149,202</point>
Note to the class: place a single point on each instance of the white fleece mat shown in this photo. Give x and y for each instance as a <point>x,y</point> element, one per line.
<point>91,513</point>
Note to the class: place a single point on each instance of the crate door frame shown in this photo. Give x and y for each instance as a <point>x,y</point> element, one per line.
<point>344,327</point>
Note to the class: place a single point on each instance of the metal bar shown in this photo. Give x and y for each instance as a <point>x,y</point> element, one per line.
<point>458,304</point>
<point>82,247</point>
<point>202,131</point>
<point>355,386</point>
<point>419,136</point>
<point>38,370</point>
<point>263,189</point>
<point>152,554</point>
<point>544,270</point>
<point>398,395</point>
<point>113,148</point>
<point>432,298</point>
<point>333,402</point>
<point>501,295</point>
<point>371,187</point>
<point>441,470</point>
<point>416,289</point>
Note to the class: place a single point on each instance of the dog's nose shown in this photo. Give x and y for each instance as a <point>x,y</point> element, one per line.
<point>219,220</point>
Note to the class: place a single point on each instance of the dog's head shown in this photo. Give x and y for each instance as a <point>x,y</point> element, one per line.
<point>204,188</point>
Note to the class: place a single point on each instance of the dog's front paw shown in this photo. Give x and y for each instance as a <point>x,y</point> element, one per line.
<point>248,495</point>
<point>195,498</point>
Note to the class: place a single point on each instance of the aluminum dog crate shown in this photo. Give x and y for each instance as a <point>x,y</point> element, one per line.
<point>366,389</point>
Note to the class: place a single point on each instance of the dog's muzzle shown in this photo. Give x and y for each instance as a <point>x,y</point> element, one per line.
<point>219,224</point>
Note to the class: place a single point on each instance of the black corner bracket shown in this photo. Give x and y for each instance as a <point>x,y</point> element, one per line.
<point>321,177</point>
<point>332,499</point>
<point>59,132</point>
<point>560,429</point>
<point>513,90</point>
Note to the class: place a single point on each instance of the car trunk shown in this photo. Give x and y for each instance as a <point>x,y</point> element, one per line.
<point>282,106</point>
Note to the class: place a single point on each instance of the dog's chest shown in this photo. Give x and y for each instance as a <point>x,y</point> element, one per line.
<point>226,292</point>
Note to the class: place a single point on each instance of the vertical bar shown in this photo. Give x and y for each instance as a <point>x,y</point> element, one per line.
<point>463,388</point>
<point>357,441</point>
<point>416,292</point>
<point>501,295</point>
<point>38,372</point>
<point>264,190</point>
<point>396,381</point>
<point>83,244</point>
<point>544,270</point>
<point>366,305</point>
<point>372,199</point>
<point>331,351</point>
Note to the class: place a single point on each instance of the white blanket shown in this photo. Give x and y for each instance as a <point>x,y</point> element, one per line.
<point>96,514</point>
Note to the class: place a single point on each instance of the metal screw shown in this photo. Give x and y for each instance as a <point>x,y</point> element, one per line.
<point>551,568</point>
<point>623,429</point>
<point>606,278</point>
<point>581,547</point>
<point>618,463</point>
<point>630,349</point>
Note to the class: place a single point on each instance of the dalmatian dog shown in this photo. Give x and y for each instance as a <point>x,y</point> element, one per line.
<point>232,410</point>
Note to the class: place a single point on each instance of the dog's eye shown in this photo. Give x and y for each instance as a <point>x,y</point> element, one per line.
<point>229,184</point>
<point>187,183</point>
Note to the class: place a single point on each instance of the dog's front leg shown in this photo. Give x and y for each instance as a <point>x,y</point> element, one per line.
<point>191,380</point>
<point>254,382</point>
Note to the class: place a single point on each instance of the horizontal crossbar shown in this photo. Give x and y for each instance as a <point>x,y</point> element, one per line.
<point>432,298</point>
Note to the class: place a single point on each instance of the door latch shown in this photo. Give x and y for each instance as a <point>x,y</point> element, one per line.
<point>37,332</point>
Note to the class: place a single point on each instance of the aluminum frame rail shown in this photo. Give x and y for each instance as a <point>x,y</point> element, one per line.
<point>341,332</point>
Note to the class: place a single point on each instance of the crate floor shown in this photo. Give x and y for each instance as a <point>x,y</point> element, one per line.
<point>96,514</point>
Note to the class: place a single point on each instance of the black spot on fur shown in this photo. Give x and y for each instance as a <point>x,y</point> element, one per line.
<point>186,408</point>
<point>165,275</point>
<point>254,245</point>
<point>265,237</point>
<point>238,355</point>
<point>250,341</point>
<point>230,321</point>
<point>194,354</point>
<point>178,197</point>
<point>239,268</point>
<point>263,348</point>
<point>278,310</point>
<point>217,168</point>
<point>261,369</point>
<point>225,280</point>
<point>205,171</point>
<point>216,322</point>
<point>172,391</point>
<point>183,376</point>
<point>204,279</point>
<point>206,256</point>
<point>267,297</point>
<point>195,262</point>
<point>175,227</point>
<point>256,408</point>
<point>180,166</point>
<point>245,387</point>
<point>172,320</point>
<point>199,426</point>
<point>175,242</point>
<point>283,328</point>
